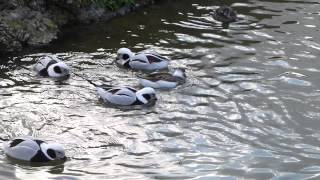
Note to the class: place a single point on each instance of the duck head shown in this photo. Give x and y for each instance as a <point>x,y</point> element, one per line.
<point>146,95</point>
<point>227,12</point>
<point>58,70</point>
<point>54,151</point>
<point>124,55</point>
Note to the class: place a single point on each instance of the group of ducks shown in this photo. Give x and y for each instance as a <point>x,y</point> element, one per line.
<point>34,150</point>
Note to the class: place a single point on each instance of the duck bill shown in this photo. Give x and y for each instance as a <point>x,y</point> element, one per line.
<point>64,158</point>
<point>153,99</point>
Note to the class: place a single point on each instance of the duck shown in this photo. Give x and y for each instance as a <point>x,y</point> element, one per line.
<point>52,66</point>
<point>163,80</point>
<point>127,96</point>
<point>141,61</point>
<point>33,150</point>
<point>225,14</point>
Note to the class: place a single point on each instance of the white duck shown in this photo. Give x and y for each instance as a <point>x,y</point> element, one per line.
<point>141,61</point>
<point>127,96</point>
<point>52,66</point>
<point>162,80</point>
<point>34,150</point>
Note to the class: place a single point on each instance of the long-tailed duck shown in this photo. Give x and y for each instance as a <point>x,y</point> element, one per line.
<point>127,96</point>
<point>34,150</point>
<point>141,61</point>
<point>52,66</point>
<point>162,80</point>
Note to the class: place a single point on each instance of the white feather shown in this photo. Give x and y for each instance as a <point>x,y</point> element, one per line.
<point>140,60</point>
<point>23,151</point>
<point>135,63</point>
<point>160,84</point>
<point>122,97</point>
<point>43,63</point>
<point>28,148</point>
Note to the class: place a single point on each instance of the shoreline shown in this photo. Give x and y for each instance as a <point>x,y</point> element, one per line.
<point>38,23</point>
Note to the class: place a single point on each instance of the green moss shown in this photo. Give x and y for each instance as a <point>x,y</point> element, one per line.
<point>108,4</point>
<point>15,24</point>
<point>51,25</point>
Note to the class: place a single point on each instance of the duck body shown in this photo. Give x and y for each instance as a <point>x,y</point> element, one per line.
<point>141,61</point>
<point>33,150</point>
<point>52,66</point>
<point>127,96</point>
<point>225,14</point>
<point>161,80</point>
<point>148,62</point>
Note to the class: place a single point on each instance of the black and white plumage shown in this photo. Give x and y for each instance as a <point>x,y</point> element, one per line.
<point>225,14</point>
<point>52,66</point>
<point>141,61</point>
<point>162,80</point>
<point>34,150</point>
<point>127,96</point>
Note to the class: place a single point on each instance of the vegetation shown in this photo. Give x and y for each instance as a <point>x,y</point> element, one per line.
<point>108,4</point>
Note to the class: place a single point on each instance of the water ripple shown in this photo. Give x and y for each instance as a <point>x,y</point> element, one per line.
<point>248,110</point>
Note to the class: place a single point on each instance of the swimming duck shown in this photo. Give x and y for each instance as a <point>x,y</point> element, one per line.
<point>141,61</point>
<point>164,80</point>
<point>225,15</point>
<point>52,66</point>
<point>33,150</point>
<point>127,96</point>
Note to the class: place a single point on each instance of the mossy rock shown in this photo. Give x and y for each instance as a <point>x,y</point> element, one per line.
<point>15,24</point>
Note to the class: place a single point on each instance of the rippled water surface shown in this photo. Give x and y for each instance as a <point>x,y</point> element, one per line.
<point>250,107</point>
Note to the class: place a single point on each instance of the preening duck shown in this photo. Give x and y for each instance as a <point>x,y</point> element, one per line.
<point>161,80</point>
<point>34,150</point>
<point>225,15</point>
<point>127,96</point>
<point>141,61</point>
<point>52,66</point>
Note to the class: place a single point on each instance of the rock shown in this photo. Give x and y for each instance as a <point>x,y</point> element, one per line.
<point>90,14</point>
<point>37,22</point>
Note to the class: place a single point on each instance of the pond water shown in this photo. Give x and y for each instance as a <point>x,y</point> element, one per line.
<point>249,109</point>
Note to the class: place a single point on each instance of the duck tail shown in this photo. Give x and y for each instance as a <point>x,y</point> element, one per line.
<point>103,86</point>
<point>86,79</point>
<point>140,76</point>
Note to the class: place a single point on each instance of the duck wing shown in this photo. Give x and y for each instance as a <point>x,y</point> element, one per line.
<point>118,95</point>
<point>123,96</point>
<point>21,149</point>
<point>154,58</point>
<point>160,76</point>
<point>105,87</point>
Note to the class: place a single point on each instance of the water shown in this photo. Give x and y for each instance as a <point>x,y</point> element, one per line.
<point>250,107</point>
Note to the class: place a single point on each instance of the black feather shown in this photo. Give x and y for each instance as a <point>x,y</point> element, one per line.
<point>38,141</point>
<point>44,72</point>
<point>147,96</point>
<point>125,56</point>
<point>57,69</point>
<point>40,157</point>
<point>16,142</point>
<point>51,153</point>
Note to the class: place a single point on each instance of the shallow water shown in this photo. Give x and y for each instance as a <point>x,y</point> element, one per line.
<point>250,107</point>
